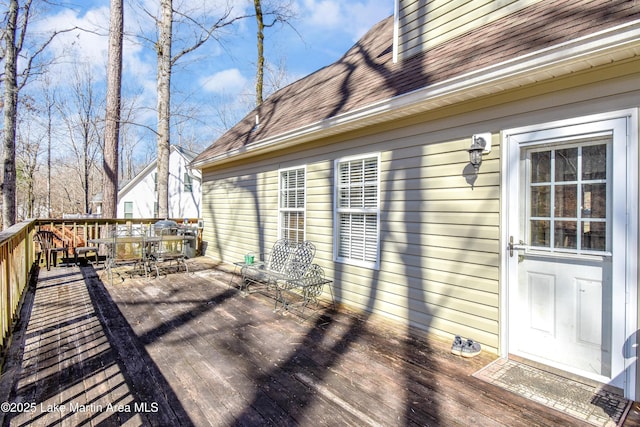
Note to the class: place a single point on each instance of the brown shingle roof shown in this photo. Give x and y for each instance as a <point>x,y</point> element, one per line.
<point>366,73</point>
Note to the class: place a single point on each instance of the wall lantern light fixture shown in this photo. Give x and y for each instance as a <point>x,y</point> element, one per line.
<point>480,144</point>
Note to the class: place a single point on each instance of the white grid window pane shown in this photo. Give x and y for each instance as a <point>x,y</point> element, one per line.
<point>357,209</point>
<point>292,190</point>
<point>292,226</point>
<point>292,204</point>
<point>568,198</point>
<point>358,237</point>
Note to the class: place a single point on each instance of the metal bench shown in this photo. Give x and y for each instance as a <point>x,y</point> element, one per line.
<point>304,291</point>
<point>286,261</point>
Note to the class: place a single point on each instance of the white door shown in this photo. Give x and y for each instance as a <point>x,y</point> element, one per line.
<point>567,188</point>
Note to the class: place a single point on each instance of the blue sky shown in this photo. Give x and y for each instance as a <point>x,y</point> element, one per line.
<point>213,84</point>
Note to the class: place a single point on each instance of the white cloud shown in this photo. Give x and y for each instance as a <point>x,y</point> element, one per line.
<point>351,18</point>
<point>323,14</point>
<point>364,15</point>
<point>226,81</point>
<point>89,44</point>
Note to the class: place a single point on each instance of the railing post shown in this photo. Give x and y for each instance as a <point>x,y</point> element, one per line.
<point>5,315</point>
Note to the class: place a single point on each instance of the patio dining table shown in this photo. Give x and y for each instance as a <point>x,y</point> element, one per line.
<point>136,249</point>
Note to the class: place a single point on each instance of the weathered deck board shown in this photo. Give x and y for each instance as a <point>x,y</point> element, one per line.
<point>196,352</point>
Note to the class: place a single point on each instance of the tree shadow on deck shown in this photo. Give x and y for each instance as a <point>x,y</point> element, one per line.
<point>140,371</point>
<point>75,359</point>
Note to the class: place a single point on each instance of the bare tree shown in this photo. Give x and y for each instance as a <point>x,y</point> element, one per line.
<point>260,66</point>
<point>129,140</point>
<point>203,29</point>
<point>81,115</point>
<point>28,152</point>
<point>163,49</point>
<point>279,12</point>
<point>112,118</point>
<point>16,23</point>
<point>50,104</point>
<point>180,32</point>
<point>12,46</point>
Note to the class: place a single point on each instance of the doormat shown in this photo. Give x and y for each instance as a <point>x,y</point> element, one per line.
<point>592,404</point>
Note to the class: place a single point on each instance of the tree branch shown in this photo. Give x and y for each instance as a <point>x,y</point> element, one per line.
<point>26,73</point>
<point>206,32</point>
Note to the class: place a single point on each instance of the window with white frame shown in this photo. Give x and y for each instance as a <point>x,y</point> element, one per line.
<point>128,209</point>
<point>188,183</point>
<point>358,210</point>
<point>291,206</point>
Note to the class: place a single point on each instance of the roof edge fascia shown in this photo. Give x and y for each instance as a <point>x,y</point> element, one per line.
<point>568,57</point>
<point>136,179</point>
<point>147,169</point>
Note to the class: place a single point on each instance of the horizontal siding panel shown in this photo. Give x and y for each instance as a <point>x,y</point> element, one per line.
<point>484,305</point>
<point>435,22</point>
<point>409,217</point>
<point>446,265</point>
<point>423,311</point>
<point>459,16</point>
<point>432,268</point>
<point>412,180</point>
<point>444,206</point>
<point>427,194</point>
<point>315,200</point>
<point>449,153</point>
<point>403,275</point>
<point>458,281</point>
<point>463,325</point>
<point>417,255</point>
<point>430,242</point>
<point>434,170</point>
<point>425,289</point>
<point>439,304</point>
<point>441,229</point>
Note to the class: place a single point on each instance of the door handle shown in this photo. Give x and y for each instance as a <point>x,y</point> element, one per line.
<point>513,246</point>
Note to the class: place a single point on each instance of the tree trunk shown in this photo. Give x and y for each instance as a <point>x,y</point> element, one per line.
<point>49,130</point>
<point>87,173</point>
<point>163,48</point>
<point>260,66</point>
<point>112,119</point>
<point>10,117</point>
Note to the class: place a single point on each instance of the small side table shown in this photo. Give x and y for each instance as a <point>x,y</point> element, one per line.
<point>236,266</point>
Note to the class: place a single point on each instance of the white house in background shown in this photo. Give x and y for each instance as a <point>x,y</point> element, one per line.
<point>138,197</point>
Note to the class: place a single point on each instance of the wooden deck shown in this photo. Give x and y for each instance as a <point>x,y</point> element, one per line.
<point>190,350</point>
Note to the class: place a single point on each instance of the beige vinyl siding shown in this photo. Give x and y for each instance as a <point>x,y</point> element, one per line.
<point>420,26</point>
<point>441,236</point>
<point>237,210</point>
<point>439,247</point>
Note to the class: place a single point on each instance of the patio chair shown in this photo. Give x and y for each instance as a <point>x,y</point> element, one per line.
<point>46,244</point>
<point>127,246</point>
<point>167,253</point>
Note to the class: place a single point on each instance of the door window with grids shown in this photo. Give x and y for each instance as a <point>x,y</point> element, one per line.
<point>292,204</point>
<point>569,195</point>
<point>357,210</point>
